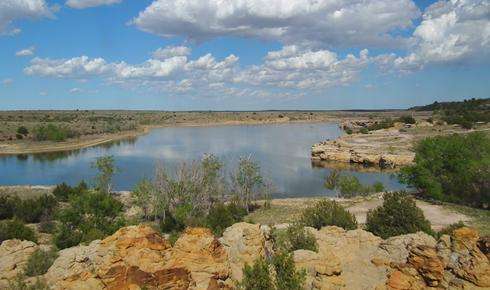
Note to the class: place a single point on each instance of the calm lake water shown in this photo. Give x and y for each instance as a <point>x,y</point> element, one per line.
<point>283,151</point>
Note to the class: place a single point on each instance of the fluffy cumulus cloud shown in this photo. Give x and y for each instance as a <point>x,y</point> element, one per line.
<point>12,10</point>
<point>453,31</point>
<point>82,4</point>
<point>321,23</point>
<point>291,68</point>
<point>26,52</point>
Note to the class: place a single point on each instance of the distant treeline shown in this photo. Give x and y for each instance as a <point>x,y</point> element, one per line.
<point>469,104</point>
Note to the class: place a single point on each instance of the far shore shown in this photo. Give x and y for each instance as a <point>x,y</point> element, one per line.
<point>18,148</point>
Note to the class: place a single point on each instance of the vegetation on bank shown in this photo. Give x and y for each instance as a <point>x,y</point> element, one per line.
<point>348,186</point>
<point>453,168</point>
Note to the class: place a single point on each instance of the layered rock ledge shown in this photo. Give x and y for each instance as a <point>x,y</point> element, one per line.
<point>137,257</point>
<point>387,148</point>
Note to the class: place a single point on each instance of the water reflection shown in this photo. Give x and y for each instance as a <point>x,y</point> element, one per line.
<point>283,151</point>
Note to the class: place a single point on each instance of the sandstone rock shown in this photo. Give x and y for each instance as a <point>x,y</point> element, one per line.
<point>136,257</point>
<point>425,260</point>
<point>13,258</point>
<point>244,244</point>
<point>397,248</point>
<point>320,272</point>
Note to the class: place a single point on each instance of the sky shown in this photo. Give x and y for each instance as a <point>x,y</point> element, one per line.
<point>242,54</point>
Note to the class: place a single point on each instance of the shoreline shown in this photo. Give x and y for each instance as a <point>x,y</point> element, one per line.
<point>87,142</point>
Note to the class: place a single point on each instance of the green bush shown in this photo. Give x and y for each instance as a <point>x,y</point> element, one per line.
<point>350,186</point>
<point>328,213</point>
<point>19,283</point>
<point>448,230</point>
<point>453,168</point>
<point>93,215</point>
<point>277,274</point>
<point>383,124</point>
<point>63,191</point>
<point>397,216</point>
<point>39,262</point>
<point>170,224</point>
<point>287,277</point>
<point>348,131</point>
<point>407,119</point>
<point>364,130</point>
<point>7,206</point>
<point>257,276</point>
<point>295,237</point>
<point>31,210</point>
<point>221,216</point>
<point>51,133</point>
<point>15,229</point>
<point>22,131</point>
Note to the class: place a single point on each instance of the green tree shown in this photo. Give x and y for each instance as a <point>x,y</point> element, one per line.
<point>106,169</point>
<point>453,168</point>
<point>328,213</point>
<point>257,276</point>
<point>143,196</point>
<point>248,181</point>
<point>397,216</point>
<point>22,131</point>
<point>287,277</point>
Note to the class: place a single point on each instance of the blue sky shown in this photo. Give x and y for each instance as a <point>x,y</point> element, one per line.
<point>275,54</point>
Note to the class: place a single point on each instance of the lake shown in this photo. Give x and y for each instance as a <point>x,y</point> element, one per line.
<point>282,150</point>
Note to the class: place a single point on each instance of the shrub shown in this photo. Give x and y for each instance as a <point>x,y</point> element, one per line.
<point>453,168</point>
<point>19,283</point>
<point>50,133</point>
<point>220,217</point>
<point>286,275</point>
<point>63,191</point>
<point>364,130</point>
<point>39,262</point>
<point>15,229</point>
<point>383,124</point>
<point>257,276</point>
<point>348,131</point>
<point>397,216</point>
<point>7,206</point>
<point>407,119</point>
<point>31,210</point>
<point>170,224</point>
<point>22,131</point>
<point>328,213</point>
<point>93,215</point>
<point>448,230</point>
<point>295,237</point>
<point>350,186</point>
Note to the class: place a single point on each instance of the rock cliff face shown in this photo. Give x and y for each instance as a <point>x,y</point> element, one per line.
<point>384,148</point>
<point>137,257</point>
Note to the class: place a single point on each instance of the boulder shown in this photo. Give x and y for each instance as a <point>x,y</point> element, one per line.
<point>244,243</point>
<point>14,255</point>
<point>138,257</point>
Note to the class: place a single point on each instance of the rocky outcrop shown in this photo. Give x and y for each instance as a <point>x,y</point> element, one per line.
<point>13,258</point>
<point>383,148</point>
<point>138,257</point>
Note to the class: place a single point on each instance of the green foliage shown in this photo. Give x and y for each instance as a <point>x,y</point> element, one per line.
<point>28,210</point>
<point>364,131</point>
<point>407,119</point>
<point>257,276</point>
<point>248,181</point>
<point>453,168</point>
<point>295,237</point>
<point>15,229</point>
<point>106,170</point>
<point>383,124</point>
<point>287,277</point>
<point>142,196</point>
<point>51,133</point>
<point>170,224</point>
<point>348,131</point>
<point>18,283</point>
<point>278,274</point>
<point>22,131</point>
<point>397,216</point>
<point>63,191</point>
<point>90,216</point>
<point>328,213</point>
<point>350,186</point>
<point>221,216</point>
<point>39,262</point>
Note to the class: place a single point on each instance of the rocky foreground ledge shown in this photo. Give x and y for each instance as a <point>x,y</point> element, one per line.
<point>387,148</point>
<point>137,257</point>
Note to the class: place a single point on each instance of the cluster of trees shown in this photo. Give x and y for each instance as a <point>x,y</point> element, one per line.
<point>349,185</point>
<point>52,132</point>
<point>453,168</point>
<point>199,194</point>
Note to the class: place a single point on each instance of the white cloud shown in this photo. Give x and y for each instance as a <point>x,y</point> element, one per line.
<point>12,10</point>
<point>171,51</point>
<point>451,32</point>
<point>75,90</point>
<point>7,81</point>
<point>82,4</point>
<point>320,23</point>
<point>26,52</point>
<point>43,93</point>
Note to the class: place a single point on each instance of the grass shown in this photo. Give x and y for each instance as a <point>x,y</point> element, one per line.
<point>480,218</point>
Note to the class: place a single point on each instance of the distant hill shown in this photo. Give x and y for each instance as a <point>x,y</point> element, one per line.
<point>467,105</point>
